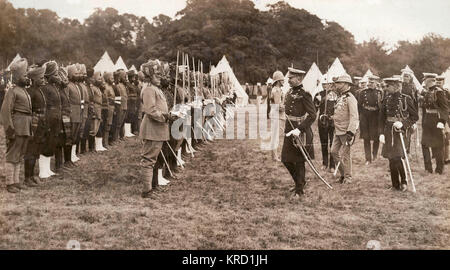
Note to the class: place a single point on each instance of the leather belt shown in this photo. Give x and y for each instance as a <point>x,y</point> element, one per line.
<point>370,108</point>
<point>296,118</point>
<point>20,112</point>
<point>393,119</point>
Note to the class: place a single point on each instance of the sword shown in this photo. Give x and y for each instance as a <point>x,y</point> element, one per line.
<point>407,163</point>
<point>300,146</point>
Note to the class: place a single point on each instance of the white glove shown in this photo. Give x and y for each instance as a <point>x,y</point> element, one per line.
<point>398,125</point>
<point>382,140</point>
<point>440,126</point>
<point>414,127</point>
<point>295,132</point>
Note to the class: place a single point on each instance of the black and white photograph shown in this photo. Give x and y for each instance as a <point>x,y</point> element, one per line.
<point>224,125</point>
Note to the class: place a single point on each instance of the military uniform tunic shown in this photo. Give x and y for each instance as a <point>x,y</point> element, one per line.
<point>396,107</point>
<point>300,111</point>
<point>369,107</point>
<point>435,110</point>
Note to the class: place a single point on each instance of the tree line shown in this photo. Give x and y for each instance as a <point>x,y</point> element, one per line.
<point>255,42</point>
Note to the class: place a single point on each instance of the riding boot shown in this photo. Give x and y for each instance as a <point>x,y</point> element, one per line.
<point>91,143</point>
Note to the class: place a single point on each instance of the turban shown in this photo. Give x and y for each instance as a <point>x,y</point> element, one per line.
<point>63,75</point>
<point>83,69</point>
<point>108,75</point>
<point>51,68</point>
<point>90,72</point>
<point>97,76</point>
<point>150,67</point>
<point>72,70</point>
<point>19,68</point>
<point>141,75</point>
<point>35,73</point>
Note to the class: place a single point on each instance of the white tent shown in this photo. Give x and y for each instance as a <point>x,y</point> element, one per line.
<point>120,64</point>
<point>224,67</point>
<point>446,74</point>
<point>311,82</point>
<point>415,80</point>
<point>133,68</point>
<point>17,58</point>
<point>336,69</point>
<point>105,64</point>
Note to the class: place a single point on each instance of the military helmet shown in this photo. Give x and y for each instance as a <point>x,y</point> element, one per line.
<point>344,78</point>
<point>277,76</point>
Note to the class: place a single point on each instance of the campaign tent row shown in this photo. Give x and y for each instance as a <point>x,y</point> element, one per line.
<point>314,76</point>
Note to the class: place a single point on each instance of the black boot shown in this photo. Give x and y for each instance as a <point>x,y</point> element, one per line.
<point>91,143</point>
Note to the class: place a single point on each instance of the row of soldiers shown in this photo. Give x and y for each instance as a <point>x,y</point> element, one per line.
<point>380,114</point>
<point>64,111</point>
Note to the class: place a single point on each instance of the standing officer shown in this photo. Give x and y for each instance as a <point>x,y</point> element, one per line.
<point>133,91</point>
<point>39,126</point>
<point>154,130</point>
<point>346,120</point>
<point>64,145</point>
<point>97,102</point>
<point>369,108</point>
<point>440,82</point>
<point>435,116</point>
<point>398,113</point>
<point>408,88</point>
<point>275,96</point>
<point>300,114</point>
<point>325,101</point>
<point>16,117</point>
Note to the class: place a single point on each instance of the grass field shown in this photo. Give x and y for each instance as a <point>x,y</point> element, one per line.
<point>230,196</point>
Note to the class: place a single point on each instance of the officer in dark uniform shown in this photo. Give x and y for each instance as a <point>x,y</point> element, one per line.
<point>398,112</point>
<point>325,101</point>
<point>87,109</point>
<point>300,114</point>
<point>39,125</point>
<point>440,82</point>
<point>369,102</point>
<point>435,116</point>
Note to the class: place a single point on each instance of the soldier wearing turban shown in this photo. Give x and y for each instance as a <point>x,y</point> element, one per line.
<point>16,118</point>
<point>39,124</point>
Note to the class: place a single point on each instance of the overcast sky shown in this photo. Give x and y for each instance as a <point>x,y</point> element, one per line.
<point>388,20</point>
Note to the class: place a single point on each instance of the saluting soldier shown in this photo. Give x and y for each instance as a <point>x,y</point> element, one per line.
<point>325,101</point>
<point>435,116</point>
<point>16,118</point>
<point>39,124</point>
<point>154,130</point>
<point>397,114</point>
<point>300,114</point>
<point>345,118</point>
<point>369,102</point>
